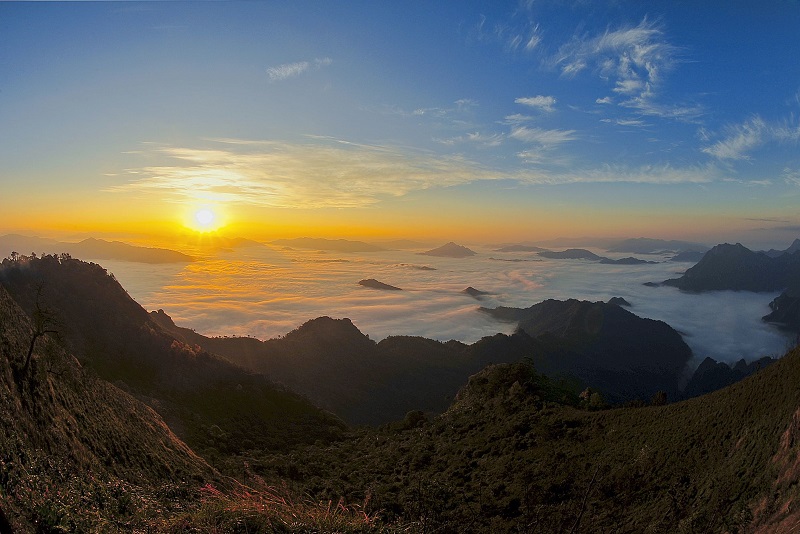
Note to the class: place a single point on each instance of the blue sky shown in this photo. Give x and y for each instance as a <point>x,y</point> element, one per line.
<point>484,120</point>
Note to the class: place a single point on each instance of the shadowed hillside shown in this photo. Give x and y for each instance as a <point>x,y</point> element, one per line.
<point>515,453</point>
<point>72,442</point>
<point>215,406</point>
<point>607,347</point>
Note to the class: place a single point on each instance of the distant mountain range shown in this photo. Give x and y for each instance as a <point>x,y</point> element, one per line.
<point>794,247</point>
<point>338,245</point>
<point>583,254</point>
<point>520,248</point>
<point>450,250</point>
<point>570,254</point>
<point>91,248</point>
<point>643,245</point>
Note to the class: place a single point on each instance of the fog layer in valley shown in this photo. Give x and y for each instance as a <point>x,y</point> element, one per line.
<point>266,292</point>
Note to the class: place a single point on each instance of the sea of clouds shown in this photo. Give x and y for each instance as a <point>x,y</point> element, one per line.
<point>267,291</point>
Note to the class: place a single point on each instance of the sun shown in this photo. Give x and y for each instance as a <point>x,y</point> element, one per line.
<point>204,219</point>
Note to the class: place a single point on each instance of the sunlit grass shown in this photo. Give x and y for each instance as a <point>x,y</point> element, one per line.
<point>270,509</point>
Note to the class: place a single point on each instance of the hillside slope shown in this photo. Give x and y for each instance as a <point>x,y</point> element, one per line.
<point>213,405</point>
<point>77,453</point>
<point>514,453</point>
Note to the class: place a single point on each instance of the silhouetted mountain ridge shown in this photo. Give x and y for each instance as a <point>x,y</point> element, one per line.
<point>606,346</point>
<point>450,250</point>
<point>736,267</point>
<point>90,248</point>
<point>208,401</point>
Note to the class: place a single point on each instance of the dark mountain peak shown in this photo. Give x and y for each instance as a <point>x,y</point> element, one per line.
<point>727,248</point>
<point>450,250</point>
<point>712,375</point>
<point>474,293</point>
<point>326,330</point>
<point>603,345</point>
<point>375,284</point>
<point>571,254</point>
<point>619,301</point>
<point>328,324</point>
<point>736,267</point>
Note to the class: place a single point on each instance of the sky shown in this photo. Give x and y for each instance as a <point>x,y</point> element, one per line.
<point>471,121</point>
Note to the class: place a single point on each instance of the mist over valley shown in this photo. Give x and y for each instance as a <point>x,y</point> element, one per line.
<point>266,291</point>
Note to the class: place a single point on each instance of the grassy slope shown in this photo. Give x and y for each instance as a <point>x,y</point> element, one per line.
<point>218,408</point>
<point>75,452</point>
<point>508,458</point>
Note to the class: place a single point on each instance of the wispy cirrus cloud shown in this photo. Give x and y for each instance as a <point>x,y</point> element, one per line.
<point>740,140</point>
<point>290,70</point>
<point>791,176</point>
<point>520,35</point>
<point>541,136</point>
<point>540,102</point>
<point>516,119</point>
<point>324,172</point>
<point>319,173</point>
<point>635,59</point>
<point>664,174</point>
<point>480,139</point>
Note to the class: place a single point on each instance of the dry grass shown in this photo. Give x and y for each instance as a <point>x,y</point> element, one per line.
<point>270,509</point>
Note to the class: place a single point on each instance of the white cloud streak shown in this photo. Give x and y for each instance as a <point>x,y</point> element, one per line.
<point>647,174</point>
<point>321,173</point>
<point>290,70</point>
<point>547,138</point>
<point>540,102</point>
<point>329,173</point>
<point>741,139</point>
<point>635,59</point>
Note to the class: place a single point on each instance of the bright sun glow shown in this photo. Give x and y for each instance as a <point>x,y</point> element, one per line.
<point>205,219</point>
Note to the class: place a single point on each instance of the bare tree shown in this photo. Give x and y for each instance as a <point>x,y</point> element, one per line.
<point>44,322</point>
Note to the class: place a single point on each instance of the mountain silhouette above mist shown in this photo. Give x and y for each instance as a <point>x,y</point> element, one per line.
<point>738,268</point>
<point>644,245</point>
<point>338,245</point>
<point>96,249</point>
<point>375,284</point>
<point>450,250</point>
<point>604,345</point>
